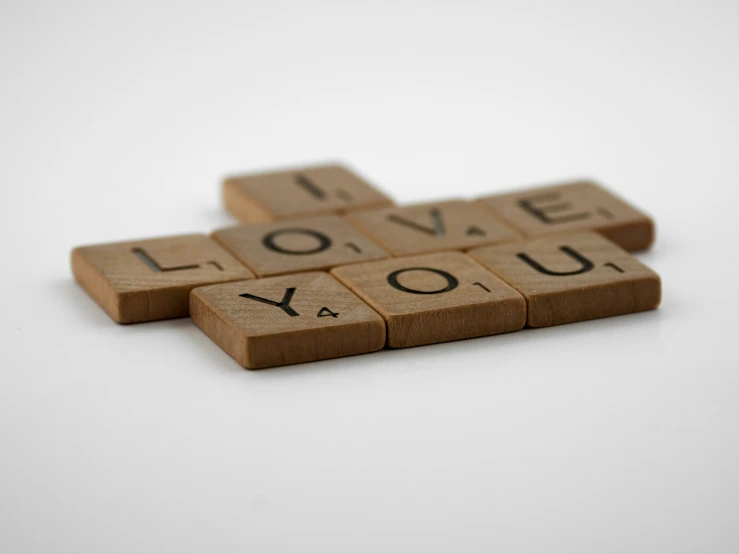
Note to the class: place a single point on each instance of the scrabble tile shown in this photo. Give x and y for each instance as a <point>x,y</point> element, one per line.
<point>283,247</point>
<point>300,192</point>
<point>422,228</point>
<point>578,206</point>
<point>435,298</point>
<point>575,277</point>
<point>147,280</point>
<point>286,320</point>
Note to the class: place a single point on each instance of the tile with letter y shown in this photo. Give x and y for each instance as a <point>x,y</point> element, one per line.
<point>312,244</point>
<point>422,228</point>
<point>286,320</point>
<point>299,192</point>
<point>435,298</point>
<point>575,277</point>
<point>571,207</point>
<point>148,280</point>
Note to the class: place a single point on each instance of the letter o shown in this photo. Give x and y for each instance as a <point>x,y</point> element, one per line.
<point>324,243</point>
<point>451,280</point>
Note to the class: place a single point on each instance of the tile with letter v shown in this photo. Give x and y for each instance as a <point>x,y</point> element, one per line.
<point>422,228</point>
<point>284,320</point>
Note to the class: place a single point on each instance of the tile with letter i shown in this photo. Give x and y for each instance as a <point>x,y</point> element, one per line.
<point>435,298</point>
<point>422,228</point>
<point>286,320</point>
<point>574,277</point>
<point>148,280</point>
<point>570,207</point>
<point>283,247</point>
<point>299,192</point>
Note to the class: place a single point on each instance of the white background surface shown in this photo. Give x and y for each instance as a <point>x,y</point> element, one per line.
<point>117,121</point>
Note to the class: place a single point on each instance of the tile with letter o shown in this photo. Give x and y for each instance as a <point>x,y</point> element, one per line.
<point>575,277</point>
<point>286,320</point>
<point>299,192</point>
<point>422,228</point>
<point>435,298</point>
<point>283,247</point>
<point>570,207</point>
<point>148,280</point>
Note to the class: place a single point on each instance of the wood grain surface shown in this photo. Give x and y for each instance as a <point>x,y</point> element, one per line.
<point>422,228</point>
<point>575,277</point>
<point>299,192</point>
<point>147,280</point>
<point>294,246</point>
<point>287,320</point>
<point>570,207</point>
<point>435,298</point>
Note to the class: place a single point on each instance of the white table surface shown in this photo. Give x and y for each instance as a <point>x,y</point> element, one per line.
<point>117,121</point>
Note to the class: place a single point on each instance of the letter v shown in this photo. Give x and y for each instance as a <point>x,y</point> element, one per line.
<point>437,221</point>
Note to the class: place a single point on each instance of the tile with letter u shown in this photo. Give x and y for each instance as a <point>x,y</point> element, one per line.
<point>575,277</point>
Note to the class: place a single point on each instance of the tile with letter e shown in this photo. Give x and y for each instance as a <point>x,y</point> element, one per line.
<point>299,192</point>
<point>286,320</point>
<point>450,225</point>
<point>279,248</point>
<point>435,298</point>
<point>575,277</point>
<point>148,280</point>
<point>570,207</point>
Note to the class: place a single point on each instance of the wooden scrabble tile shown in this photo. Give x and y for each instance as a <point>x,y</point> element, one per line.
<point>286,320</point>
<point>294,246</point>
<point>575,277</point>
<point>449,225</point>
<point>577,206</point>
<point>435,298</point>
<point>147,280</point>
<point>300,192</point>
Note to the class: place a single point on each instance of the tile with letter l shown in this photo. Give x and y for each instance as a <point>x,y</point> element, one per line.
<point>148,280</point>
<point>312,244</point>
<point>422,228</point>
<point>299,192</point>
<point>435,298</point>
<point>571,207</point>
<point>575,277</point>
<point>286,320</point>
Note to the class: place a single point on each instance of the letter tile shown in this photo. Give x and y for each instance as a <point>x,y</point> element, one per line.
<point>286,320</point>
<point>422,228</point>
<point>300,192</point>
<point>147,280</point>
<point>312,244</point>
<point>571,207</point>
<point>435,298</point>
<point>573,277</point>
